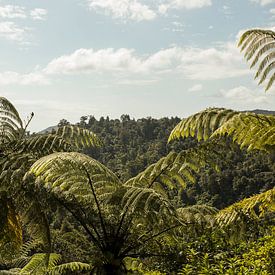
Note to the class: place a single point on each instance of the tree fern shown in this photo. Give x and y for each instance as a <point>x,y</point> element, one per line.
<point>201,125</point>
<point>260,45</point>
<point>251,131</point>
<point>19,151</point>
<point>255,207</point>
<point>247,129</point>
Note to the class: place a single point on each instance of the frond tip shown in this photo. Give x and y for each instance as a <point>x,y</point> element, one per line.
<point>259,46</point>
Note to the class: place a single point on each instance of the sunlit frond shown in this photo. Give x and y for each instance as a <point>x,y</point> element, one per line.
<point>250,130</point>
<point>11,125</point>
<point>69,172</point>
<point>260,45</point>
<point>78,137</point>
<point>40,263</point>
<point>201,125</point>
<point>176,170</point>
<point>69,268</point>
<point>254,208</point>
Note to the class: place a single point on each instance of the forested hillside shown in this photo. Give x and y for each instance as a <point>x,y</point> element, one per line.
<point>130,145</point>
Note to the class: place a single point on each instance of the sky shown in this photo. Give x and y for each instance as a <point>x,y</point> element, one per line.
<point>63,59</point>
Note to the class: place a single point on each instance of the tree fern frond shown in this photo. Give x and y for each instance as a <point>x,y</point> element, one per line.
<point>250,130</point>
<point>260,44</point>
<point>69,268</point>
<point>201,125</point>
<point>8,110</point>
<point>78,137</point>
<point>270,82</point>
<point>40,263</point>
<point>65,176</point>
<point>197,214</point>
<point>270,57</point>
<point>179,169</point>
<point>267,70</point>
<point>255,208</point>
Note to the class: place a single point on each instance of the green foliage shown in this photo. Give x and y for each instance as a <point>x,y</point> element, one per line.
<point>260,45</point>
<point>201,125</point>
<point>247,129</point>
<point>255,207</point>
<point>256,257</point>
<point>145,217</point>
<point>251,131</point>
<point>19,151</point>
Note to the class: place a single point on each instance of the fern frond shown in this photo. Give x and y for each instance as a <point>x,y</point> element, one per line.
<point>78,137</point>
<point>66,173</point>
<point>201,125</point>
<point>250,130</point>
<point>40,263</point>
<point>260,44</point>
<point>69,268</point>
<point>254,208</point>
<point>11,125</point>
<point>176,170</point>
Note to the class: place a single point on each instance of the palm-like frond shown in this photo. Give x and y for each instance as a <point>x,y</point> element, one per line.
<point>40,263</point>
<point>247,129</point>
<point>260,45</point>
<point>11,125</point>
<point>250,130</point>
<point>70,268</point>
<point>197,214</point>
<point>201,125</point>
<point>68,174</point>
<point>176,170</point>
<point>254,208</point>
<point>78,137</point>
<point>19,151</point>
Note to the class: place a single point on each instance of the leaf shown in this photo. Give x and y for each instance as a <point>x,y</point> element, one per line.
<point>260,45</point>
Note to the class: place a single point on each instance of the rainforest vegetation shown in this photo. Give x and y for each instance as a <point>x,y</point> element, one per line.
<point>146,196</point>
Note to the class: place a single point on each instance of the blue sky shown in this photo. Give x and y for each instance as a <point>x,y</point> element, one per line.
<point>68,58</point>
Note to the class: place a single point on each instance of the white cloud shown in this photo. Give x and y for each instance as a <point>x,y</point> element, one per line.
<point>138,11</point>
<point>38,14</point>
<point>35,78</point>
<point>195,88</point>
<point>9,30</point>
<point>225,61</point>
<point>244,95</point>
<point>11,11</point>
<point>88,60</point>
<point>221,62</point>
<point>183,4</point>
<point>123,9</point>
<point>263,2</point>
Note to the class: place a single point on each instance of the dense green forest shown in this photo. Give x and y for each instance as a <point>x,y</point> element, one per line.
<point>129,146</point>
<point>146,196</point>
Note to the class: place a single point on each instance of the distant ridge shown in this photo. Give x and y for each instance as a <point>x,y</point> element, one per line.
<point>48,130</point>
<point>256,111</point>
<point>263,112</point>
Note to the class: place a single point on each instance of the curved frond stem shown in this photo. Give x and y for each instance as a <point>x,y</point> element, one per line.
<point>88,231</point>
<point>97,203</point>
<point>132,247</point>
<point>158,175</point>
